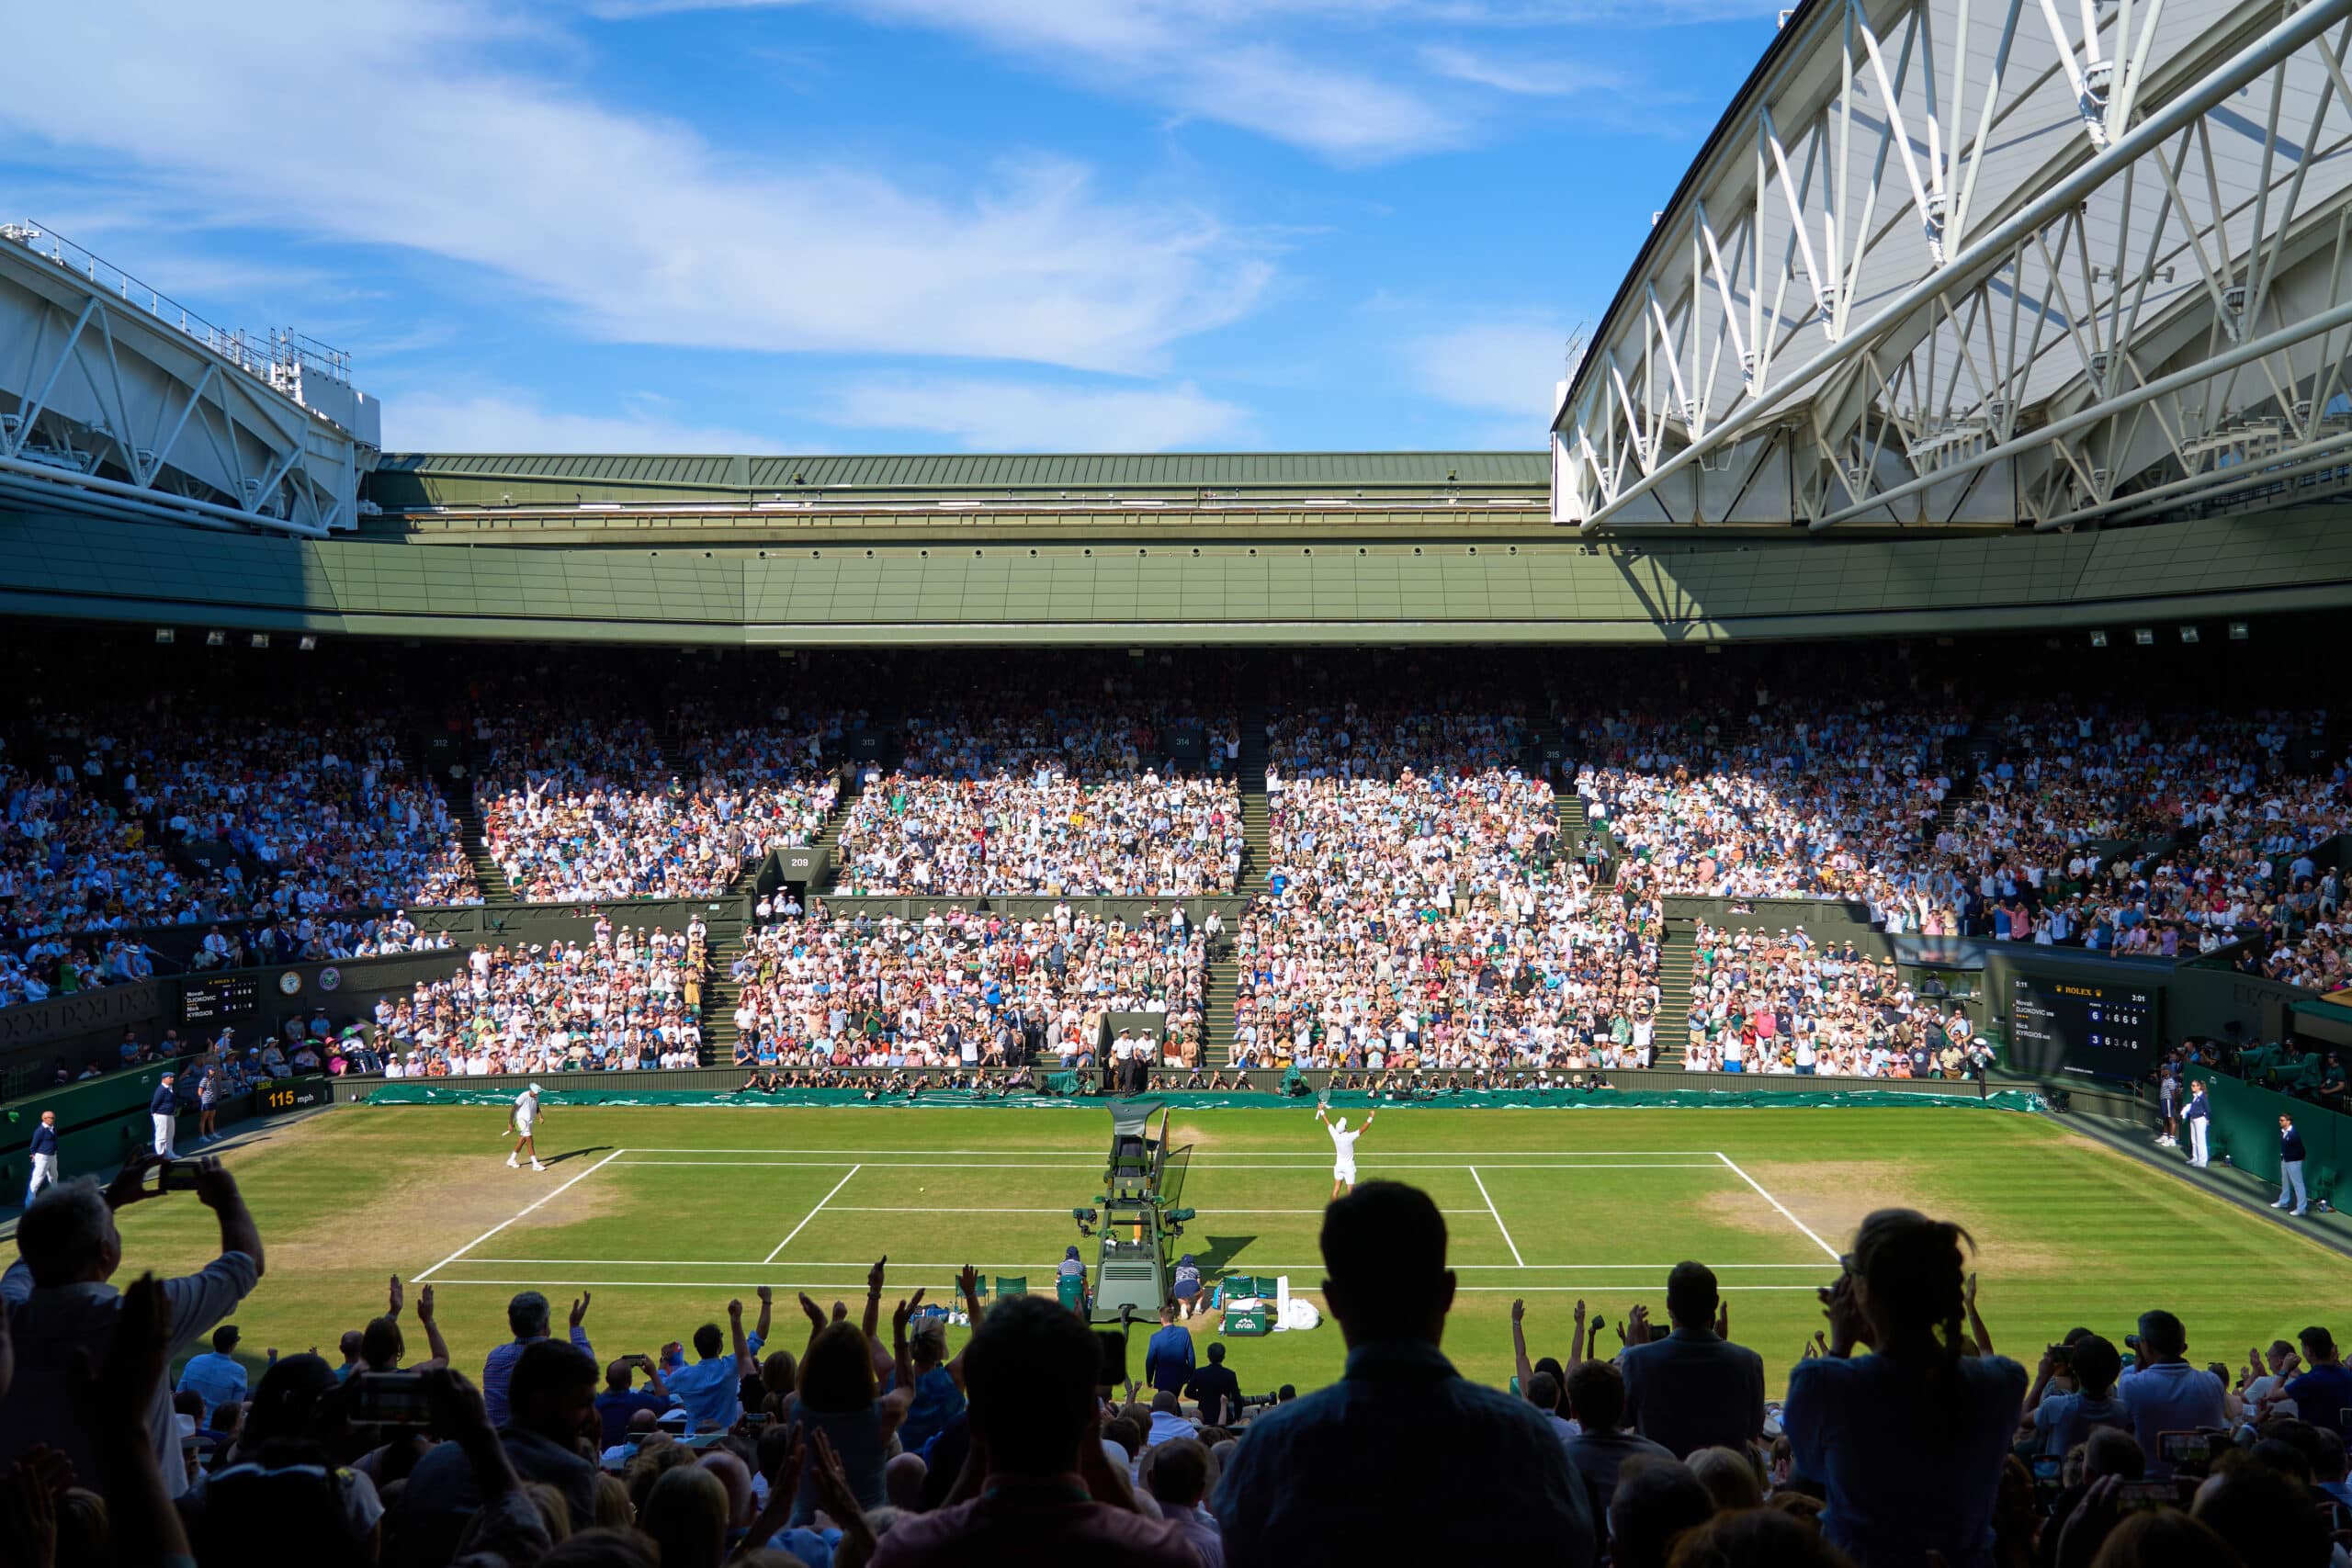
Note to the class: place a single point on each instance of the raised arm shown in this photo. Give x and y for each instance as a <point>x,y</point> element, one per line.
<point>767,1310</point>
<point>1576,1346</point>
<point>1519,1345</point>
<point>744,1365</point>
<point>216,1191</point>
<point>113,1403</point>
<point>873,1318</point>
<point>1976,1329</point>
<point>901,1357</point>
<point>438,1348</point>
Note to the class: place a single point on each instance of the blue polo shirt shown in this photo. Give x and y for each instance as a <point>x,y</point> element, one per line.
<point>708,1390</point>
<point>2323,1395</point>
<point>163,1102</point>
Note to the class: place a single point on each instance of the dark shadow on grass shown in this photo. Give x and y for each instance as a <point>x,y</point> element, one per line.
<point>574,1154</point>
<point>1216,1256</point>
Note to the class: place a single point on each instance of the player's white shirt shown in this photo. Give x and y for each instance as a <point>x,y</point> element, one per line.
<point>527,1109</point>
<point>1343,1149</point>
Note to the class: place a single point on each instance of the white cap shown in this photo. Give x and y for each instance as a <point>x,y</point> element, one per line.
<point>535,1088</point>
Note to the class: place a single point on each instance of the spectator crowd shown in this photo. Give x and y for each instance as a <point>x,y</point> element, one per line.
<point>137,1428</point>
<point>955,987</point>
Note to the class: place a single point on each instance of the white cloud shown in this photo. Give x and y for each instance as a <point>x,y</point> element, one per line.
<point>422,133</point>
<point>1510,365</point>
<point>504,421</point>
<point>987,415</point>
<point>1520,77</point>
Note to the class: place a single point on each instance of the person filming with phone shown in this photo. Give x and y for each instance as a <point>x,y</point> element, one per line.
<point>62,1308</point>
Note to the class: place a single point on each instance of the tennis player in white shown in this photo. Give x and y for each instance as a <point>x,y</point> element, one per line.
<point>1343,1150</point>
<point>522,1122</point>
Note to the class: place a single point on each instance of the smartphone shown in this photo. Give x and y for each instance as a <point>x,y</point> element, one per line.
<point>754,1420</point>
<point>2188,1454</point>
<point>176,1176</point>
<point>391,1399</point>
<point>2130,1496</point>
<point>2049,1474</point>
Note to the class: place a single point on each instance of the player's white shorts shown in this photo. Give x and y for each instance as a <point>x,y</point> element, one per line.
<point>1345,1171</point>
<point>523,1125</point>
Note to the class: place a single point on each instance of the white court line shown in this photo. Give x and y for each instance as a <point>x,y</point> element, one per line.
<point>813,1213</point>
<point>1515,1257</point>
<point>1097,1164</point>
<point>787,1283</point>
<point>420,1279</point>
<point>1777,1204</point>
<point>1308,1156</point>
<point>968,1209</point>
<point>1660,1268</point>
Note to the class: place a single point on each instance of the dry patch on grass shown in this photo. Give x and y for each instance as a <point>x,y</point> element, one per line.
<point>1833,1197</point>
<point>435,1207</point>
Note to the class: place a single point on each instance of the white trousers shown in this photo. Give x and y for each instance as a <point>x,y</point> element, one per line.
<point>164,1126</point>
<point>2197,1154</point>
<point>2290,1185</point>
<point>44,1173</point>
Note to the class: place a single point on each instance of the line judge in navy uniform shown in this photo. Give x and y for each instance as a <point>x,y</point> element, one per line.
<point>164,1109</point>
<point>44,1157</point>
<point>2200,1117</point>
<point>2290,1168</point>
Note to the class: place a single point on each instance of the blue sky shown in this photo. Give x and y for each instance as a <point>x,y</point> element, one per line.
<point>887,225</point>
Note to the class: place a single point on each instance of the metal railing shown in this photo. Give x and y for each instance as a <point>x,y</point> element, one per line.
<point>280,356</point>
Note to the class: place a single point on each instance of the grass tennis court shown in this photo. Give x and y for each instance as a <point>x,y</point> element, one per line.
<point>665,1214</point>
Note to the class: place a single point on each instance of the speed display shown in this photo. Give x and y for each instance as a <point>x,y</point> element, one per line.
<point>2089,1029</point>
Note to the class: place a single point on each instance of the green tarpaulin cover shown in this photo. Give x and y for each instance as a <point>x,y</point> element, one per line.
<point>443,1092</point>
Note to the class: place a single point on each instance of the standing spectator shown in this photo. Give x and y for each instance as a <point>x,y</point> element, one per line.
<point>619,1404</point>
<point>61,1307</point>
<point>1316,1479</point>
<point>1048,1494</point>
<point>1693,1388</point>
<point>527,1316</point>
<point>215,1377</point>
<point>1215,1389</point>
<point>552,1400</point>
<point>1168,1359</point>
<point>2290,1168</point>
<point>1869,1429</point>
<point>2164,1392</point>
<point>2322,1395</point>
<point>709,1387</point>
<point>2062,1420</point>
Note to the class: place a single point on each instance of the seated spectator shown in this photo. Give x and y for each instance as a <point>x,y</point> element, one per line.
<point>1315,1479</point>
<point>1868,1428</point>
<point>1657,1503</point>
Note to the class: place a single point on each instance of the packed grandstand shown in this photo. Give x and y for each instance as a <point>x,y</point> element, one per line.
<point>1439,884</point>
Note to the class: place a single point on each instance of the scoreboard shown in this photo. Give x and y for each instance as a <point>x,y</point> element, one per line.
<point>2085,1028</point>
<point>231,996</point>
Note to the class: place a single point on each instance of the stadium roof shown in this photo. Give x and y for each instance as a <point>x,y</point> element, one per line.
<point>1951,264</point>
<point>970,471</point>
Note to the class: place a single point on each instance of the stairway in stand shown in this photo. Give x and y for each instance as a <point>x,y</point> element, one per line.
<point>1674,959</point>
<point>720,993</point>
<point>1257,860</point>
<point>828,838</point>
<point>488,874</point>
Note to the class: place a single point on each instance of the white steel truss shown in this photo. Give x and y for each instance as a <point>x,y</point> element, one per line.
<point>105,408</point>
<point>1953,262</point>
